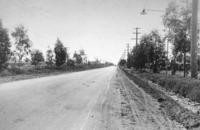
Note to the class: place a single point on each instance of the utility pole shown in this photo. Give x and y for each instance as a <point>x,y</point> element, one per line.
<point>136,35</point>
<point>184,60</point>
<point>167,63</point>
<point>128,49</point>
<point>128,56</point>
<point>193,63</point>
<point>123,56</point>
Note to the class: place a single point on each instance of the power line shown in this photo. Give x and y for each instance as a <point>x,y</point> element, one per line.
<point>145,3</point>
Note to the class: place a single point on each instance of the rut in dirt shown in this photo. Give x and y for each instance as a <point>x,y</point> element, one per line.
<point>142,111</point>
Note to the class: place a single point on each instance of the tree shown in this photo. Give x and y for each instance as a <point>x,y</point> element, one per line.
<point>138,57</point>
<point>177,21</point>
<point>13,58</point>
<point>122,62</point>
<point>49,57</point>
<point>78,58</point>
<point>155,51</point>
<point>61,54</point>
<point>5,45</point>
<point>27,60</point>
<point>83,56</point>
<point>36,57</point>
<point>97,61</point>
<point>70,63</point>
<point>149,53</point>
<point>22,42</point>
<point>129,61</point>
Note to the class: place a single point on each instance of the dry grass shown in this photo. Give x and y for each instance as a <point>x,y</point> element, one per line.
<point>13,72</point>
<point>186,87</point>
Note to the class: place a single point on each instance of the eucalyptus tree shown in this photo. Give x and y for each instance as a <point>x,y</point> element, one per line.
<point>177,20</point>
<point>22,42</point>
<point>5,45</point>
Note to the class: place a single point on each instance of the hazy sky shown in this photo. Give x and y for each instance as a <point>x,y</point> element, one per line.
<point>100,27</point>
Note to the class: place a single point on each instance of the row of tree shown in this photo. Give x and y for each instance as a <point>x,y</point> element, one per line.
<point>22,52</point>
<point>5,46</point>
<point>151,53</point>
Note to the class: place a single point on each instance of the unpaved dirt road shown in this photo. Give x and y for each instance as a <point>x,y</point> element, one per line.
<point>89,100</point>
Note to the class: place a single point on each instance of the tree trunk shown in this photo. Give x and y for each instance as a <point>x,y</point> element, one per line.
<point>184,64</point>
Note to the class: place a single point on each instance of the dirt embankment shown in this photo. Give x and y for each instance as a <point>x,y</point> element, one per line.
<point>173,109</point>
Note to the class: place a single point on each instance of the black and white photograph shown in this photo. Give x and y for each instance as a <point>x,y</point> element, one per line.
<point>99,65</point>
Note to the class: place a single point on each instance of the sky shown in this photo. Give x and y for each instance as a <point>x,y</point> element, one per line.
<point>101,27</point>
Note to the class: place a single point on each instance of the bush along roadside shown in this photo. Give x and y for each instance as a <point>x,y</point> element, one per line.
<point>169,106</point>
<point>186,87</point>
<point>22,73</point>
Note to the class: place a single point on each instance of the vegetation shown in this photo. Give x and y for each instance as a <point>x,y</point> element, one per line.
<point>177,23</point>
<point>36,57</point>
<point>122,62</point>
<point>71,63</point>
<point>186,87</point>
<point>80,57</point>
<point>60,53</point>
<point>22,59</point>
<point>171,107</point>
<point>22,43</point>
<point>4,46</point>
<point>49,57</point>
<point>149,54</point>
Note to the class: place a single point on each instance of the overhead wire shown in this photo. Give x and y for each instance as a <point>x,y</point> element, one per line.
<point>145,3</point>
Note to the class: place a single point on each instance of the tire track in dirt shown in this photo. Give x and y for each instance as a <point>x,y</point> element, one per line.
<point>140,118</point>
<point>150,112</point>
<point>145,110</point>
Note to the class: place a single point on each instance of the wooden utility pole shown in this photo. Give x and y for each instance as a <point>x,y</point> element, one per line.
<point>128,50</point>
<point>167,57</point>
<point>136,35</point>
<point>193,62</point>
<point>187,26</point>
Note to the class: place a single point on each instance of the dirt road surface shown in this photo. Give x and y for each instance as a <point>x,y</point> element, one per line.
<point>100,99</point>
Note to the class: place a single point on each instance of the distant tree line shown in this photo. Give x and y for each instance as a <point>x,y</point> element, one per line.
<point>22,51</point>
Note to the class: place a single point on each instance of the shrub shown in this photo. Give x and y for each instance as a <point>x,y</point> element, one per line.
<point>186,87</point>
<point>70,63</point>
<point>36,57</point>
<point>16,70</point>
<point>5,72</point>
